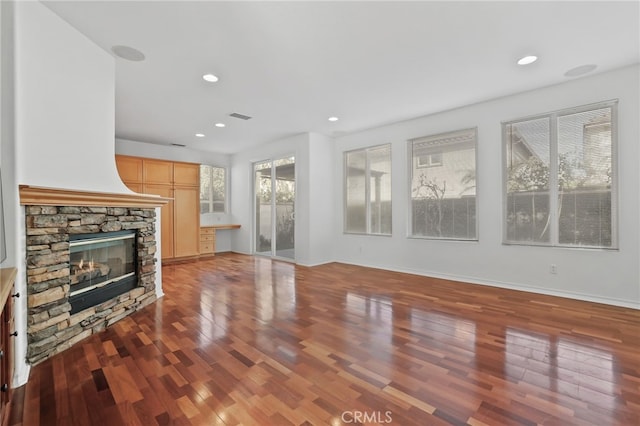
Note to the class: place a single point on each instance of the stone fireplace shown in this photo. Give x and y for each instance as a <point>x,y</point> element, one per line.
<point>87,268</point>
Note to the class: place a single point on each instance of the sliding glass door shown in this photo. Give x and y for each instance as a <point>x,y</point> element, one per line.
<point>264,219</point>
<point>274,207</point>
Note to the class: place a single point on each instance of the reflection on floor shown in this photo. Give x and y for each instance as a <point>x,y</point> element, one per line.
<point>286,253</point>
<point>247,340</point>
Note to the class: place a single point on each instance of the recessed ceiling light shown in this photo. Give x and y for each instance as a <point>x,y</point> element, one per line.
<point>210,78</point>
<point>200,135</point>
<point>333,118</point>
<point>220,125</point>
<point>128,53</point>
<point>582,69</point>
<point>526,60</point>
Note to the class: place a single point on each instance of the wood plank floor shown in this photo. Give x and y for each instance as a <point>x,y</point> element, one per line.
<point>244,340</point>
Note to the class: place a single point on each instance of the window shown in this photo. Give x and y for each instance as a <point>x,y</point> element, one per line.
<point>443,186</point>
<point>213,189</point>
<point>430,160</point>
<point>560,175</point>
<point>368,191</point>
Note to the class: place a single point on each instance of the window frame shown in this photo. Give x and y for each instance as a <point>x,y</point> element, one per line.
<point>226,191</point>
<point>367,195</point>
<point>410,163</point>
<point>553,117</point>
<point>430,163</point>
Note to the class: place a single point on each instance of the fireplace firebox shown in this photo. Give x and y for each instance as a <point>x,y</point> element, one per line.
<point>102,266</point>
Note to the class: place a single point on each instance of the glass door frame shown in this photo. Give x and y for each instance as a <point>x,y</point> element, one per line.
<point>274,216</point>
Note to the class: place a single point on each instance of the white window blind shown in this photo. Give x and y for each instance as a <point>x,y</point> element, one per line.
<point>368,190</point>
<point>560,178</point>
<point>443,186</point>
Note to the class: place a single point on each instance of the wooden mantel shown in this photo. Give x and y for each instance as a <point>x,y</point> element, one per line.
<point>40,196</point>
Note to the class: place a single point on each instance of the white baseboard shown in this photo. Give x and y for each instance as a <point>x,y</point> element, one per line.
<point>311,265</point>
<point>510,286</point>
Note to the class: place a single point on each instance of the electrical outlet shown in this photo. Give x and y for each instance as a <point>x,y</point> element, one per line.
<point>553,269</point>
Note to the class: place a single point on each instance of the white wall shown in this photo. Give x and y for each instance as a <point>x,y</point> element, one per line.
<point>314,192</point>
<point>599,275</point>
<point>242,187</point>
<point>63,107</point>
<point>11,205</point>
<point>7,135</point>
<point>170,153</point>
<point>321,210</point>
<point>65,91</point>
<point>13,219</point>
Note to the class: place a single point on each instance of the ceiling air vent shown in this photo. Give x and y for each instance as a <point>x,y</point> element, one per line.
<point>178,144</point>
<point>240,116</point>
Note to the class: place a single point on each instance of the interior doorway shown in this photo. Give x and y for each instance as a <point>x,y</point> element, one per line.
<point>275,191</point>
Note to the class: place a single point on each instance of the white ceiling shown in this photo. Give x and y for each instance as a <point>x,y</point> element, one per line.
<point>291,65</point>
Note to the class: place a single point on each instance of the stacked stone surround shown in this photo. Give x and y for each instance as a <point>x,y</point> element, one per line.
<point>50,327</point>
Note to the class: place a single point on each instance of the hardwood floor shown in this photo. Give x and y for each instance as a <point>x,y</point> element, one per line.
<point>244,340</point>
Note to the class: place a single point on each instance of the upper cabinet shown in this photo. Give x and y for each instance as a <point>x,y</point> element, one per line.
<point>158,171</point>
<point>186,174</point>
<point>130,169</point>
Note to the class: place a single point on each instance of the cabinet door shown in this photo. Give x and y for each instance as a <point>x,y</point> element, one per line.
<point>129,168</point>
<point>187,221</point>
<point>135,187</point>
<point>166,219</point>
<point>6,360</point>
<point>4,363</point>
<point>207,240</point>
<point>158,171</point>
<point>186,174</point>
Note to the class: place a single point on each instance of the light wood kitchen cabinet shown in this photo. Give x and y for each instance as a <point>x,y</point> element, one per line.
<point>167,220</point>
<point>186,174</point>
<point>135,187</point>
<point>208,238</point>
<point>207,241</point>
<point>180,222</point>
<point>130,169</point>
<point>158,171</point>
<point>187,237</point>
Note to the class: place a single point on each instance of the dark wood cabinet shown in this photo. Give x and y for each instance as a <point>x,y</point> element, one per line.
<point>7,335</point>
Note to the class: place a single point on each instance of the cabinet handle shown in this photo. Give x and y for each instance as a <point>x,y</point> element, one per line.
<point>4,387</point>
<point>16,295</point>
<point>14,334</point>
<point>1,354</point>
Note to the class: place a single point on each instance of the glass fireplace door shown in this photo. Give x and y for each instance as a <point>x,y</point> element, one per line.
<point>101,266</point>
